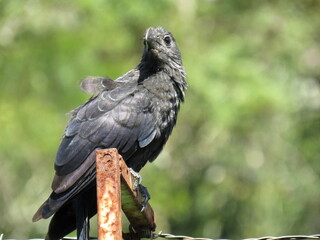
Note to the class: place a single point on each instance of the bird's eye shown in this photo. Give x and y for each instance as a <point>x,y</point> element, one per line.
<point>167,40</point>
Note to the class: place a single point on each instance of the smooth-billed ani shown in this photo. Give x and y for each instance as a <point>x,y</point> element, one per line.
<point>134,113</point>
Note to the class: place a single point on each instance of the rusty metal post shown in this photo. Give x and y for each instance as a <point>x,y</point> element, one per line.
<point>131,203</point>
<point>108,194</point>
<point>115,191</point>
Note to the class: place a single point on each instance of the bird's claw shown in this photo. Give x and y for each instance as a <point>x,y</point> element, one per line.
<point>145,196</point>
<point>138,187</point>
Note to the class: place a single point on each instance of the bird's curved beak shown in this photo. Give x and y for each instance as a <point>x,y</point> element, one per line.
<point>150,38</point>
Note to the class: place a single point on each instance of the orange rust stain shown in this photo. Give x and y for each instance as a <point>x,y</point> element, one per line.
<point>108,195</point>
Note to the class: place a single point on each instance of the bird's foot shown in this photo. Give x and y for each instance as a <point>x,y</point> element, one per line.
<point>137,179</point>
<point>138,187</point>
<point>145,196</point>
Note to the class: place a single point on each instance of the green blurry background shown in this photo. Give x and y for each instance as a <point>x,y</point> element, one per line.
<point>243,160</point>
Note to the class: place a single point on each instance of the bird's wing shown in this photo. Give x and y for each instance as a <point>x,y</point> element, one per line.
<point>96,85</point>
<point>121,118</point>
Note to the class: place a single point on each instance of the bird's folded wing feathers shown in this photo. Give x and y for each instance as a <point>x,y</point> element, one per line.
<point>119,120</point>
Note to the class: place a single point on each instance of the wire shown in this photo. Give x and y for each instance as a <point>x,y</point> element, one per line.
<point>181,237</point>
<point>288,237</point>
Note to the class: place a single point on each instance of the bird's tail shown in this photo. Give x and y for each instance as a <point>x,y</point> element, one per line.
<point>38,215</point>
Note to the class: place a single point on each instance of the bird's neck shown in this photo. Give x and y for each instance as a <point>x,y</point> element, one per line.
<point>173,70</point>
<point>151,65</point>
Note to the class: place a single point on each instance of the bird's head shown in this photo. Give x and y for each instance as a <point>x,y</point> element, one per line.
<point>160,47</point>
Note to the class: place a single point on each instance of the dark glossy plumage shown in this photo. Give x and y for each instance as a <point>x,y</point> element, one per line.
<point>135,114</point>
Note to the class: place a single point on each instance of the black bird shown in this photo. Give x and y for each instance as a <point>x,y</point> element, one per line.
<point>134,113</point>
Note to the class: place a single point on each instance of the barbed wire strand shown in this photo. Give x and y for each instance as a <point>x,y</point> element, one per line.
<point>288,237</point>
<point>182,237</point>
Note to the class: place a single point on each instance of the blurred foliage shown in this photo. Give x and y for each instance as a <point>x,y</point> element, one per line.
<point>243,160</point>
